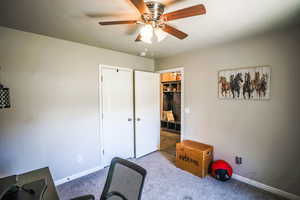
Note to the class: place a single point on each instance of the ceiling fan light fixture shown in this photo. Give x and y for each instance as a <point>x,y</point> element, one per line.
<point>147,33</point>
<point>160,34</point>
<point>150,34</point>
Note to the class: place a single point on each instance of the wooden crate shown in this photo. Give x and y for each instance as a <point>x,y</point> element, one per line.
<point>194,157</point>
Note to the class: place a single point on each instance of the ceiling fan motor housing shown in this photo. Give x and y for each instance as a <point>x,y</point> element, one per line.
<point>156,10</point>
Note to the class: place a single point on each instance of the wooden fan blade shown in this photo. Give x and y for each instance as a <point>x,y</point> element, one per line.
<point>175,32</point>
<point>118,22</point>
<point>110,15</point>
<point>138,38</point>
<point>186,12</point>
<point>140,5</point>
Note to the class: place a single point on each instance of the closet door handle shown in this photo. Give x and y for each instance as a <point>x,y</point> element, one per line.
<point>129,119</point>
<point>138,119</point>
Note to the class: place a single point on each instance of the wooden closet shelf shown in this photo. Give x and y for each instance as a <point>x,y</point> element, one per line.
<point>174,122</point>
<point>172,82</point>
<point>172,91</point>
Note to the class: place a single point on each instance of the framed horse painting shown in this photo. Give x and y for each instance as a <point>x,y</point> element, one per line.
<point>245,83</point>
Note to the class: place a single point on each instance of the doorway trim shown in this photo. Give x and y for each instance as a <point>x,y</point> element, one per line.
<point>181,69</point>
<point>100,100</point>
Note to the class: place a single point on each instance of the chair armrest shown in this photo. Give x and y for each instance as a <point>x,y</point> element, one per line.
<point>85,197</point>
<point>115,193</point>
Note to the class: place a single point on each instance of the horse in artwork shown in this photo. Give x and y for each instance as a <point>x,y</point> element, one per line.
<point>247,87</point>
<point>255,82</point>
<point>262,86</point>
<point>235,84</point>
<point>225,86</point>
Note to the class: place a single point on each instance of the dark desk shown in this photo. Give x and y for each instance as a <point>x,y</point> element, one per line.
<point>44,173</point>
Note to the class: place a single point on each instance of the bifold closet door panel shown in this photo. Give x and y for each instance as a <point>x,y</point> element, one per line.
<point>147,112</point>
<point>117,108</point>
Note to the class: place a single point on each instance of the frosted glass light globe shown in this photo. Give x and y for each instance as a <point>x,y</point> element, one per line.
<point>147,33</point>
<point>160,34</point>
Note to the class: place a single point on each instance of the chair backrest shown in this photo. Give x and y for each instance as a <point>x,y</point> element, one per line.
<point>125,181</point>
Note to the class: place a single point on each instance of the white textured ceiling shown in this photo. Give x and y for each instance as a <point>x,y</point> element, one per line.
<point>77,20</point>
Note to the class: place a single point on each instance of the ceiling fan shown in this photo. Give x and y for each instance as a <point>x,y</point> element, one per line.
<point>155,20</point>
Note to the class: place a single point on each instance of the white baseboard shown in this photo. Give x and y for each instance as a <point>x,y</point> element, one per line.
<point>75,176</point>
<point>266,187</point>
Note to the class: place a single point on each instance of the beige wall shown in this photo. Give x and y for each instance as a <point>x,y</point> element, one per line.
<point>54,119</point>
<point>265,133</point>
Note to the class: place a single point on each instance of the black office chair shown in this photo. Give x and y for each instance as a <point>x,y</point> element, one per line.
<point>125,181</point>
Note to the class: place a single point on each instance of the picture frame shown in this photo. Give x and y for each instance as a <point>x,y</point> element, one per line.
<point>247,83</point>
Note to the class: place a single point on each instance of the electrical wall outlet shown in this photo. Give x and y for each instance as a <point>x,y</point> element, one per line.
<point>238,160</point>
<point>187,110</point>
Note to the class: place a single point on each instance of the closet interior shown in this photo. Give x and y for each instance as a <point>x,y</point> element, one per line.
<point>170,91</point>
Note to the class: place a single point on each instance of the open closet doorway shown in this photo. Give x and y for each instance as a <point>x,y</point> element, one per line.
<point>171,109</point>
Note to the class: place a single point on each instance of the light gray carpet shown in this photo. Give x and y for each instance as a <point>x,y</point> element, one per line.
<point>166,182</point>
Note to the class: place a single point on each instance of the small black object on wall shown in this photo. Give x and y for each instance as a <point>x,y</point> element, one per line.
<point>4,97</point>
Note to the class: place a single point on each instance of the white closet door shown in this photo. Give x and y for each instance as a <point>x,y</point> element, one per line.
<point>117,108</point>
<point>147,114</point>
